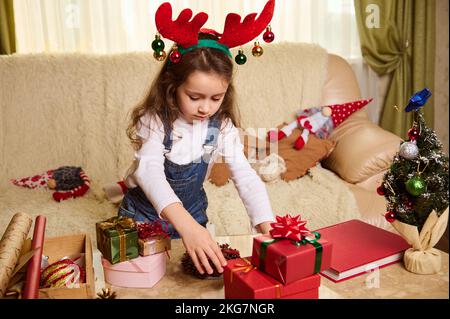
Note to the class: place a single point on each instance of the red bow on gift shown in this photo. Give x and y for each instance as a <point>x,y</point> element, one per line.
<point>290,228</point>
<point>147,230</point>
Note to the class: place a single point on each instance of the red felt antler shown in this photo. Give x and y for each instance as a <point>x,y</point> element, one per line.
<point>236,33</point>
<point>181,31</point>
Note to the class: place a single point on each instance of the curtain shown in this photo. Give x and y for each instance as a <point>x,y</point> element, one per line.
<point>111,26</point>
<point>7,33</point>
<point>398,38</point>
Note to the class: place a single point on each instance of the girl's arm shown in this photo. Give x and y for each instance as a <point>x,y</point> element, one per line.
<point>251,188</point>
<point>196,239</point>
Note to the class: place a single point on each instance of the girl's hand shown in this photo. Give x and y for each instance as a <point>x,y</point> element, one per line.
<point>196,239</point>
<point>200,246</point>
<point>264,227</point>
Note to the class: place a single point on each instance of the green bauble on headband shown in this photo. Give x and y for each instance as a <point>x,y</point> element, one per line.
<point>184,32</point>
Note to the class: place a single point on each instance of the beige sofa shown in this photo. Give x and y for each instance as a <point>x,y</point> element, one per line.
<point>71,109</point>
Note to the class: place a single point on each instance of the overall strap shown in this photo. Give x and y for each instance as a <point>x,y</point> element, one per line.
<point>167,136</point>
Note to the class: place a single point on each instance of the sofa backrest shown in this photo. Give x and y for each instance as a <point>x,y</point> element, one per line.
<point>71,109</point>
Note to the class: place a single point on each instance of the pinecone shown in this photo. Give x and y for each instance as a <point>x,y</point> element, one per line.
<point>107,293</point>
<point>189,267</point>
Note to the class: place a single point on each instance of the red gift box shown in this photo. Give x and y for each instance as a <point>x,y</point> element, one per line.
<point>242,280</point>
<point>289,261</point>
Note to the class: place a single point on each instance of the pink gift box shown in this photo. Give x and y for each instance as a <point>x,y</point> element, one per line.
<point>140,272</point>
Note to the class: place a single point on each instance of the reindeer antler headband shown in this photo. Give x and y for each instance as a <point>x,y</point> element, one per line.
<point>185,33</point>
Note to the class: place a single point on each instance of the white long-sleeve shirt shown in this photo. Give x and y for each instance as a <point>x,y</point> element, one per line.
<point>188,139</point>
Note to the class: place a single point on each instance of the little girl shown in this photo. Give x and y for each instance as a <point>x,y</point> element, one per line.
<point>185,122</point>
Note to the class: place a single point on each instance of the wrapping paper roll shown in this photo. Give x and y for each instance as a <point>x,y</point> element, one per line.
<point>10,247</point>
<point>31,289</point>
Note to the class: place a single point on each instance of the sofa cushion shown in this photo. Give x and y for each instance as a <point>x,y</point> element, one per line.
<point>355,159</point>
<point>362,149</point>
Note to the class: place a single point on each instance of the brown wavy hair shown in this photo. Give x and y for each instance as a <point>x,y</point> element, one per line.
<point>161,99</point>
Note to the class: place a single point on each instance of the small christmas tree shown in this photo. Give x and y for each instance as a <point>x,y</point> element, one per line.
<point>417,182</point>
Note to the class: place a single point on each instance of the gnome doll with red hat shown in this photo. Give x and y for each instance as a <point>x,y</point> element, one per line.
<point>318,121</point>
<point>67,181</point>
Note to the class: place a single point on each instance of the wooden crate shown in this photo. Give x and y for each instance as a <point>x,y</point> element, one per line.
<point>59,247</point>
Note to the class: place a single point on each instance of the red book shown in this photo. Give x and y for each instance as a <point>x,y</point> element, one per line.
<point>359,247</point>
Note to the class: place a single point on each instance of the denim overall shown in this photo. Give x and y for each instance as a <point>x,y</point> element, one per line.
<point>186,181</point>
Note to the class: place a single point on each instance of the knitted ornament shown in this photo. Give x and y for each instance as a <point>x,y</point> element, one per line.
<point>63,273</point>
<point>189,267</point>
<point>184,30</point>
<point>36,181</point>
<point>320,121</point>
<point>67,181</point>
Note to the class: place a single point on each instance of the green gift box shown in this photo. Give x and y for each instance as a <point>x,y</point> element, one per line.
<point>117,239</point>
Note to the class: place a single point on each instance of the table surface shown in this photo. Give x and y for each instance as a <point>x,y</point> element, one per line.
<point>392,281</point>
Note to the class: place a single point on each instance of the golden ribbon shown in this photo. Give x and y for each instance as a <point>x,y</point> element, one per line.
<point>119,223</point>
<point>122,244</point>
<point>247,267</point>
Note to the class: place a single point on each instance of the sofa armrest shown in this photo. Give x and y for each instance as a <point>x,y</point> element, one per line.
<point>362,150</point>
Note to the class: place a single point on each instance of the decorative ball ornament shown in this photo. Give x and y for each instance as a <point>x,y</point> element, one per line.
<point>159,55</point>
<point>257,50</point>
<point>268,36</point>
<point>63,273</point>
<point>158,47</point>
<point>175,55</point>
<point>416,185</point>
<point>390,217</point>
<point>380,190</point>
<point>158,44</point>
<point>409,150</point>
<point>413,133</point>
<point>240,57</point>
